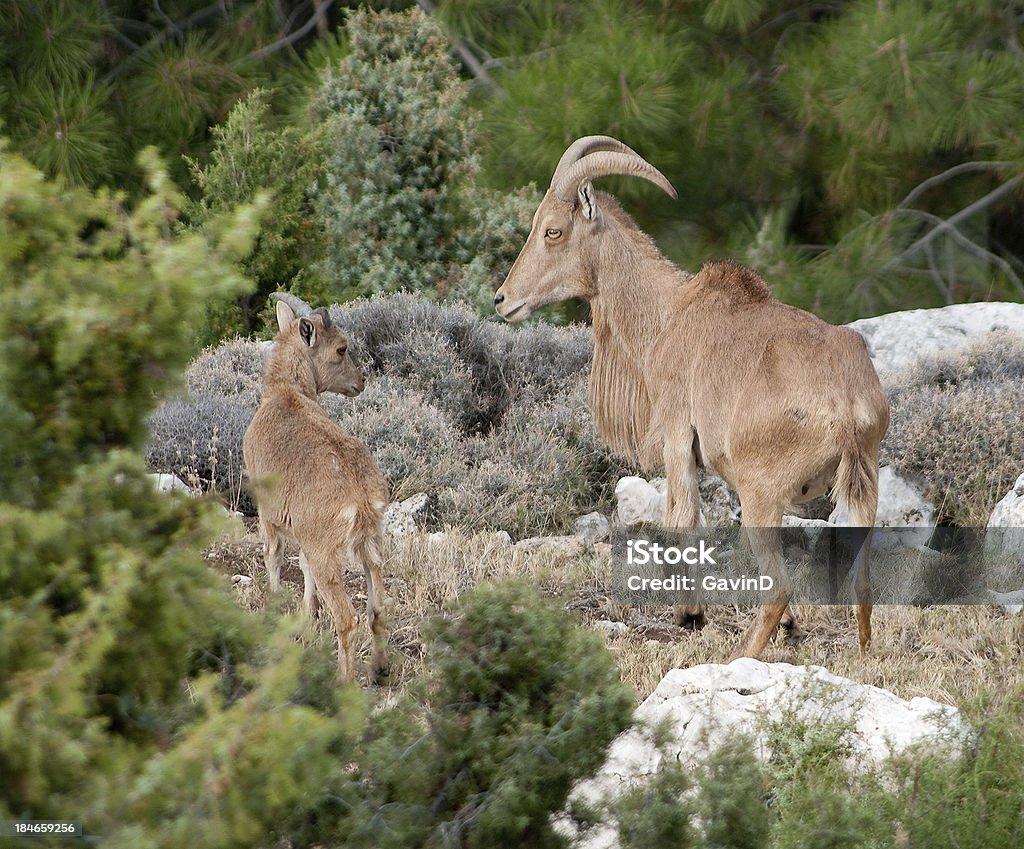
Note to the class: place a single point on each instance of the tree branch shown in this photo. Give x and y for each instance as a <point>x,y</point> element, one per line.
<point>949,173</point>
<point>473,65</point>
<point>949,224</point>
<point>972,247</point>
<point>319,11</point>
<point>126,64</point>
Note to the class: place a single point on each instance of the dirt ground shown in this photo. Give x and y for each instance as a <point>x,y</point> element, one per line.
<point>950,654</point>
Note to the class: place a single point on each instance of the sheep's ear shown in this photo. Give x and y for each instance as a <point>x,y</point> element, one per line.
<point>285,315</point>
<point>588,202</point>
<point>307,330</point>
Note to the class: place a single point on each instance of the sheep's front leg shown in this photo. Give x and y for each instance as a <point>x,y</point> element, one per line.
<point>682,510</point>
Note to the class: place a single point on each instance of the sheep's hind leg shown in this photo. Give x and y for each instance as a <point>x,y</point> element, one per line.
<point>328,572</point>
<point>682,510</point>
<point>761,519</point>
<point>310,600</point>
<point>369,553</point>
<point>273,553</point>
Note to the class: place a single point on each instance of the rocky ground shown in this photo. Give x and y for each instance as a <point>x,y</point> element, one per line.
<point>946,653</point>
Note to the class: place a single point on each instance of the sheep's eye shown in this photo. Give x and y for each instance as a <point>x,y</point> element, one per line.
<point>553,233</point>
<point>342,350</point>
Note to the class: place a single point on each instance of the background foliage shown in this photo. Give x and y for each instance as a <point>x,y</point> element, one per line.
<point>864,157</point>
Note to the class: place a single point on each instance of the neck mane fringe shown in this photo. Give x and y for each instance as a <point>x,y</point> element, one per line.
<point>624,328</point>
<point>619,402</point>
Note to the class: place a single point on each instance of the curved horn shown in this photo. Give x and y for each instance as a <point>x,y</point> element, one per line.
<point>584,147</point>
<point>299,306</point>
<point>603,164</point>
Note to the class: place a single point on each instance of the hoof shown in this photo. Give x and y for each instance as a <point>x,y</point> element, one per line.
<point>689,619</point>
<point>793,634</point>
<point>379,671</point>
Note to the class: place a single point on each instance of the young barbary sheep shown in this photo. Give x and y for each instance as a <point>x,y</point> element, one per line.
<point>706,369</point>
<point>316,483</point>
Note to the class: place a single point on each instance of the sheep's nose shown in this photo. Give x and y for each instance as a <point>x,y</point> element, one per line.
<point>498,299</point>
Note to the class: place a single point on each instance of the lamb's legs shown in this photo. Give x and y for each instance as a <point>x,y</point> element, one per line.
<point>273,553</point>
<point>327,570</point>
<point>369,554</point>
<point>310,600</point>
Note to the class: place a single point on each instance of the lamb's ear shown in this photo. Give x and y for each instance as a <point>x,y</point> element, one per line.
<point>588,201</point>
<point>307,330</point>
<point>285,315</point>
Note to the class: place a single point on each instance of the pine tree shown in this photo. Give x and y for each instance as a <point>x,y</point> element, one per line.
<point>864,157</point>
<point>396,134</point>
<point>86,84</point>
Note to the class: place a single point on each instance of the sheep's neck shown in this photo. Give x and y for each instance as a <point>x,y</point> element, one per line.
<point>290,371</point>
<point>635,285</point>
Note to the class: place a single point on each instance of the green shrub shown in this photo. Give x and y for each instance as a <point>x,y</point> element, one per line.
<point>521,703</point>
<point>135,695</point>
<point>955,426</point>
<point>252,157</point>
<point>396,135</point>
<point>373,186</point>
<point>658,812</point>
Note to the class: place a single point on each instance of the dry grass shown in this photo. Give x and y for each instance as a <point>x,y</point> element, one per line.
<point>946,653</point>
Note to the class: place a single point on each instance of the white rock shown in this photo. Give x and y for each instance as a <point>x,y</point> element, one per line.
<point>241,580</point>
<point>564,546</point>
<point>719,504</point>
<point>400,517</point>
<point>902,505</point>
<point>900,339</point>
<point>711,704</point>
<point>1005,534</point>
<point>1009,512</point>
<point>609,627</point>
<point>592,528</point>
<point>171,483</point>
<point>639,501</point>
<point>812,528</point>
<point>1010,602</point>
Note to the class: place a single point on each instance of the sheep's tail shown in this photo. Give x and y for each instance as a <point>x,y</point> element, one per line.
<point>856,483</point>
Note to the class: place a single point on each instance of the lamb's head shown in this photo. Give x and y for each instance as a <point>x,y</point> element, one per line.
<point>561,255</point>
<point>312,334</point>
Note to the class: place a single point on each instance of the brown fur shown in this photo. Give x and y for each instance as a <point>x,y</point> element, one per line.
<point>316,483</point>
<point>710,368</point>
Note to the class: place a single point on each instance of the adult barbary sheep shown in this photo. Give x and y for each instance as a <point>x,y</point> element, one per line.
<point>706,369</point>
<point>316,483</point>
